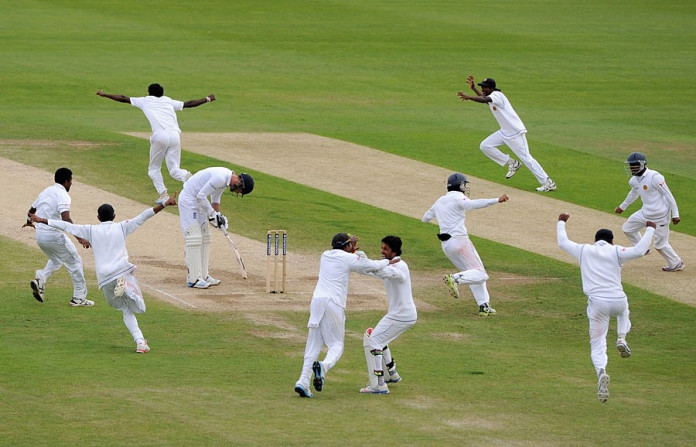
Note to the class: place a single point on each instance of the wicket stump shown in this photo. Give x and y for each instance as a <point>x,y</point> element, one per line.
<point>274,235</point>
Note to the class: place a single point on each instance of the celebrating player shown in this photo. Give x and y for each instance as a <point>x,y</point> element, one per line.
<point>512,133</point>
<point>327,317</point>
<point>195,211</point>
<point>600,269</point>
<point>450,212</point>
<point>54,203</point>
<point>400,316</point>
<point>165,143</point>
<point>114,271</point>
<point>659,206</point>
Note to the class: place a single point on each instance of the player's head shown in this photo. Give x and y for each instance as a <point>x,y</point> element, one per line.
<point>105,213</point>
<point>391,247</point>
<point>244,184</point>
<point>635,163</point>
<point>155,90</point>
<point>604,235</point>
<point>488,86</point>
<point>343,241</point>
<point>458,182</point>
<point>63,176</point>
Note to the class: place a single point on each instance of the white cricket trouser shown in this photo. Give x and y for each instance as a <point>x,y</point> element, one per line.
<point>130,303</point>
<point>190,212</point>
<point>388,330</point>
<point>633,226</point>
<point>165,146</point>
<point>460,250</point>
<point>599,312</point>
<point>330,332</point>
<point>61,251</point>
<point>518,145</point>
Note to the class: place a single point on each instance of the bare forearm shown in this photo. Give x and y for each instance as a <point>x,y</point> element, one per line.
<point>198,102</point>
<point>118,98</point>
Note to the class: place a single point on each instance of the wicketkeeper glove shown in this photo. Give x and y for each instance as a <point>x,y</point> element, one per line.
<point>218,221</point>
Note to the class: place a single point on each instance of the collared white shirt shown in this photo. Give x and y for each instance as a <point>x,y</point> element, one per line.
<point>657,199</point>
<point>397,282</point>
<point>209,182</point>
<point>160,111</point>
<point>450,212</point>
<point>510,123</point>
<point>50,204</point>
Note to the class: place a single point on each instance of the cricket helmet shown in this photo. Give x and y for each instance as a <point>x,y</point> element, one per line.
<point>458,182</point>
<point>635,163</point>
<point>247,183</point>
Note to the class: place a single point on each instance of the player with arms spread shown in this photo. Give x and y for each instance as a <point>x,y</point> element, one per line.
<point>600,270</point>
<point>512,133</point>
<point>659,206</point>
<point>165,142</point>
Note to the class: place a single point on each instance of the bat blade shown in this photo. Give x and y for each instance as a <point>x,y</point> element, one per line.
<point>237,255</point>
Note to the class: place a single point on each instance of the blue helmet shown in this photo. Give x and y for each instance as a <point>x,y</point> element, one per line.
<point>458,182</point>
<point>635,163</point>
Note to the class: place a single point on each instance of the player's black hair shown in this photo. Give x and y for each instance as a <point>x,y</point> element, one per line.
<point>604,235</point>
<point>155,90</point>
<point>62,175</point>
<point>340,240</point>
<point>106,213</point>
<point>394,242</point>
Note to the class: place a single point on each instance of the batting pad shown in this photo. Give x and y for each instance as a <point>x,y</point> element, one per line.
<point>206,238</point>
<point>193,252</point>
<point>370,359</point>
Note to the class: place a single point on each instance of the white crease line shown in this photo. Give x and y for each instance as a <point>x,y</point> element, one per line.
<point>170,296</point>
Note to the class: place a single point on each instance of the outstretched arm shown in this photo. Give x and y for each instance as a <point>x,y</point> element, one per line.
<point>197,102</point>
<point>118,98</point>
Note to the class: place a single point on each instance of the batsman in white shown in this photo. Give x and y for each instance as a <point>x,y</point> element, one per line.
<point>114,271</point>
<point>381,367</point>
<point>195,212</point>
<point>327,318</point>
<point>512,133</point>
<point>54,203</point>
<point>659,206</point>
<point>165,142</point>
<point>600,270</point>
<point>450,212</point>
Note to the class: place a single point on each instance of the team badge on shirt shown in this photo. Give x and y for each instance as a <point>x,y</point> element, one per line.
<point>645,187</point>
<point>495,108</point>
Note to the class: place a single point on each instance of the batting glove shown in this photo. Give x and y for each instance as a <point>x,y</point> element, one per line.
<point>218,221</point>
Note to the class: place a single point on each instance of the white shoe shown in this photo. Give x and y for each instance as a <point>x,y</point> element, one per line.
<point>623,348</point>
<point>37,289</point>
<point>486,310</point>
<point>603,386</point>
<point>379,389</point>
<point>76,302</point>
<point>549,185</point>
<point>676,268</point>
<point>162,198</point>
<point>199,284</point>
<point>142,347</point>
<point>120,287</point>
<point>212,281</point>
<point>394,377</point>
<point>513,166</point>
<point>303,391</point>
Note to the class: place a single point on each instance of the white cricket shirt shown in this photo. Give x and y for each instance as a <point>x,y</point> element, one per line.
<point>50,204</point>
<point>334,273</point>
<point>108,241</point>
<point>160,112</point>
<point>450,212</point>
<point>209,182</point>
<point>397,282</point>
<point>657,199</point>
<point>510,123</point>
<point>601,262</point>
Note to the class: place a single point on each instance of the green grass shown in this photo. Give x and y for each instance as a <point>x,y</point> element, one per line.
<point>593,81</point>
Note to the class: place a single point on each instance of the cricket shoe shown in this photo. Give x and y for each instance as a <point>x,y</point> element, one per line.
<point>142,347</point>
<point>623,348</point>
<point>486,310</point>
<point>162,198</point>
<point>513,166</point>
<point>394,377</point>
<point>548,185</point>
<point>318,380</point>
<point>77,302</point>
<point>603,386</point>
<point>452,285</point>
<point>198,284</point>
<point>212,281</point>
<point>37,289</point>
<point>666,268</point>
<point>302,391</point>
<point>379,389</point>
<point>120,287</point>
